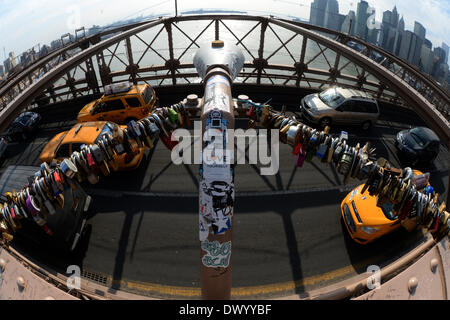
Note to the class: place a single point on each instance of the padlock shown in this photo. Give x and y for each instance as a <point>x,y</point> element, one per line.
<point>154,130</point>
<point>104,150</point>
<point>119,148</point>
<point>297,149</point>
<point>340,147</point>
<point>173,116</point>
<point>135,132</point>
<point>55,189</point>
<point>331,149</point>
<point>311,148</point>
<point>48,205</point>
<point>323,148</point>
<point>300,158</point>
<point>168,142</point>
<point>100,159</point>
<point>264,116</point>
<point>91,162</point>
<point>157,120</point>
<point>421,180</point>
<point>345,160</point>
<point>146,137</point>
<point>68,168</point>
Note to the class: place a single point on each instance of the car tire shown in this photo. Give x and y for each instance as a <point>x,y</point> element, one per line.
<point>325,121</point>
<point>366,125</point>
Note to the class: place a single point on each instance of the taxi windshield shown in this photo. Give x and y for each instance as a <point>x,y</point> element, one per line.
<point>331,97</point>
<point>387,209</point>
<point>147,95</point>
<point>418,136</point>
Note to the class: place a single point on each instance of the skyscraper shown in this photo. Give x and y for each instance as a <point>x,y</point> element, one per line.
<point>361,19</point>
<point>387,18</point>
<point>372,35</point>
<point>10,63</point>
<point>427,43</point>
<point>389,39</point>
<point>317,12</point>
<point>350,19</point>
<point>446,49</point>
<point>401,25</point>
<point>394,17</point>
<point>410,48</point>
<point>332,19</point>
<point>425,59</point>
<point>419,30</point>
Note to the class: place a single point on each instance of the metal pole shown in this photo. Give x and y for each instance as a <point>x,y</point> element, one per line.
<point>176,8</point>
<point>216,187</point>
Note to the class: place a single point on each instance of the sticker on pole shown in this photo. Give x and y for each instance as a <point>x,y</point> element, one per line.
<point>217,254</point>
<point>216,206</point>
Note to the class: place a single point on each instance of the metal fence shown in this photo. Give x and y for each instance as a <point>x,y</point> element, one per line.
<point>278,52</point>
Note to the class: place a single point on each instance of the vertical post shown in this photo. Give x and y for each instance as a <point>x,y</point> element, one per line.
<point>131,66</point>
<point>172,65</point>
<point>176,8</point>
<point>218,66</point>
<point>264,24</point>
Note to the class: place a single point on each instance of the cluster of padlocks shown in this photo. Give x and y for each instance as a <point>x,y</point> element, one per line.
<point>44,194</point>
<point>382,180</point>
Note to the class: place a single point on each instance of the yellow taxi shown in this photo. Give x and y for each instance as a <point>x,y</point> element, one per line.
<point>366,222</point>
<point>121,103</point>
<point>64,143</point>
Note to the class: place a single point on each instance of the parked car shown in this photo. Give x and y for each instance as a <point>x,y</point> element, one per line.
<point>364,220</point>
<point>417,145</point>
<point>23,126</point>
<point>121,103</point>
<point>64,143</point>
<point>340,106</point>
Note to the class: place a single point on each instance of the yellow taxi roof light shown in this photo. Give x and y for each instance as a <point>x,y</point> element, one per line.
<point>117,88</point>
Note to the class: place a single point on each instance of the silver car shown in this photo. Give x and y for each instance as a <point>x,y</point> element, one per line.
<point>340,106</point>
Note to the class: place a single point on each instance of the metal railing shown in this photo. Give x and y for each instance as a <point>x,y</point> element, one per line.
<point>278,52</point>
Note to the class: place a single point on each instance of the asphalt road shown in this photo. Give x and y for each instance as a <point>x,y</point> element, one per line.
<point>142,233</point>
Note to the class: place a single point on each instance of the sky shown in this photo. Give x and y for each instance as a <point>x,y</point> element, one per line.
<point>25,23</point>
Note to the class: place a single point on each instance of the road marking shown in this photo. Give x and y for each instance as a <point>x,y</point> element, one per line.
<point>288,287</point>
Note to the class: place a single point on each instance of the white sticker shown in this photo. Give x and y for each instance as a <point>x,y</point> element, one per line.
<point>203,227</point>
<point>217,254</point>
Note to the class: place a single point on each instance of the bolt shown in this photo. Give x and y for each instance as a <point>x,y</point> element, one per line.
<point>21,282</point>
<point>412,284</point>
<point>2,265</point>
<point>434,264</point>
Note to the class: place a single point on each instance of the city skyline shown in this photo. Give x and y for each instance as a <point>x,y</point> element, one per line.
<point>17,37</point>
